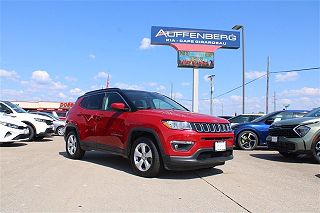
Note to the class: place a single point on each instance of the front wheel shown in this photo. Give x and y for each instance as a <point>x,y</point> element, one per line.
<point>60,131</point>
<point>316,150</point>
<point>73,148</point>
<point>145,159</point>
<point>32,132</point>
<point>247,140</point>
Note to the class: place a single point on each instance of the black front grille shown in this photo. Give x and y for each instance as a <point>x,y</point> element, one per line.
<point>211,127</point>
<point>285,131</point>
<point>282,146</point>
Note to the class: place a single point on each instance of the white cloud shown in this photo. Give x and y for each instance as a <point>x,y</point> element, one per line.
<point>255,74</point>
<point>305,91</point>
<point>145,44</point>
<point>61,95</point>
<point>129,86</point>
<point>70,79</point>
<point>92,56</point>
<point>58,85</point>
<point>177,95</point>
<point>160,88</point>
<point>41,77</point>
<point>185,84</point>
<point>102,75</point>
<point>152,84</point>
<point>12,94</point>
<point>76,92</point>
<point>236,98</point>
<point>8,74</point>
<point>290,76</point>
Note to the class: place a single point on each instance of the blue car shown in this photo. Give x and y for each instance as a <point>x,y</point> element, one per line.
<point>248,136</point>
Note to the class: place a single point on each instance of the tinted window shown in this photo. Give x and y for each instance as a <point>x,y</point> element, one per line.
<point>15,107</point>
<point>240,119</point>
<point>313,113</point>
<point>282,116</point>
<point>93,101</point>
<point>4,108</point>
<point>149,100</point>
<point>111,98</point>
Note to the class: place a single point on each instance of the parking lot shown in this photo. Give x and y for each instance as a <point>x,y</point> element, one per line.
<point>37,177</point>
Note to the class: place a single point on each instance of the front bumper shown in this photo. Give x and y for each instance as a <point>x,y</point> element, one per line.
<point>289,145</point>
<point>47,133</point>
<point>203,158</point>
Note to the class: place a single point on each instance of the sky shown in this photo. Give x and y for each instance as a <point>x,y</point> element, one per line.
<point>58,50</point>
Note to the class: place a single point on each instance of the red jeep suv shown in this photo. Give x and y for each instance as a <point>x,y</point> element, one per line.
<point>150,129</point>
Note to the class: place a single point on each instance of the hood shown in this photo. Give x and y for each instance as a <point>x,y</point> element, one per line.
<point>296,121</point>
<point>179,115</point>
<point>30,116</point>
<point>11,120</point>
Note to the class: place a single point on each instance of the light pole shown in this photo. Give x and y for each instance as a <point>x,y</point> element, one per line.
<point>211,77</point>
<point>238,27</point>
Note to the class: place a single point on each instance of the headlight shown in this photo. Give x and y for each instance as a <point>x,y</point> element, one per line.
<point>9,125</point>
<point>40,120</point>
<point>302,130</point>
<point>179,125</point>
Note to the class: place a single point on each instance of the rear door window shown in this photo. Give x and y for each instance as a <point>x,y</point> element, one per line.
<point>93,102</point>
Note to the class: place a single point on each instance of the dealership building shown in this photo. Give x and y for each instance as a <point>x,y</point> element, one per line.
<point>61,108</point>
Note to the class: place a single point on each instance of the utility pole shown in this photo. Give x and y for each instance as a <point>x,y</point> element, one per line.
<point>274,101</point>
<point>195,90</point>
<point>267,95</point>
<point>221,108</point>
<point>211,78</point>
<point>171,90</point>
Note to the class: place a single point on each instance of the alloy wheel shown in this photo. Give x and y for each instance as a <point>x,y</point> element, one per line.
<point>142,157</point>
<point>248,140</point>
<point>317,149</point>
<point>72,144</point>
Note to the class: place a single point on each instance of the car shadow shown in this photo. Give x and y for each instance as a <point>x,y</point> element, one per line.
<point>42,140</point>
<point>280,158</point>
<point>15,144</point>
<point>123,164</point>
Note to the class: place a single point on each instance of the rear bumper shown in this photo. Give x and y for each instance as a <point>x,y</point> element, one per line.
<point>203,158</point>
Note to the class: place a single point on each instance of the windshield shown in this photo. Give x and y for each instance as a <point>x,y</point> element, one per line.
<point>149,100</point>
<point>313,113</point>
<point>15,107</point>
<point>261,119</point>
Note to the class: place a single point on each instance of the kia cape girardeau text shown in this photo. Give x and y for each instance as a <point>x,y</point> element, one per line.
<point>150,129</point>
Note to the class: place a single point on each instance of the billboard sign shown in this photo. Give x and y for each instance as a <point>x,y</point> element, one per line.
<point>195,59</point>
<point>169,35</point>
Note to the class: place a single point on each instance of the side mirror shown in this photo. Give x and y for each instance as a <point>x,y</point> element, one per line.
<point>269,121</point>
<point>8,111</point>
<point>118,106</point>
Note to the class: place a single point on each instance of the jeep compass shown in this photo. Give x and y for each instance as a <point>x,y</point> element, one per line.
<point>148,128</point>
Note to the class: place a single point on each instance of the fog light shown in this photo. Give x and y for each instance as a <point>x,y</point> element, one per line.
<point>182,146</point>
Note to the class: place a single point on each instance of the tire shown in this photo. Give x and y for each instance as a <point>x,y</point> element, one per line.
<point>145,159</point>
<point>288,155</point>
<point>73,148</point>
<point>60,131</point>
<point>247,140</point>
<point>32,133</point>
<point>316,150</point>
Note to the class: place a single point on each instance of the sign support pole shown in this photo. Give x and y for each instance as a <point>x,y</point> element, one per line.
<point>195,95</point>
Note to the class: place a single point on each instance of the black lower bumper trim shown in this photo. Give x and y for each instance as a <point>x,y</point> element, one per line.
<point>197,160</point>
<point>49,132</point>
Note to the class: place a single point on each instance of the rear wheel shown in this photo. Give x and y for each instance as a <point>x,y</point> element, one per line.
<point>247,140</point>
<point>316,150</point>
<point>144,157</point>
<point>73,148</point>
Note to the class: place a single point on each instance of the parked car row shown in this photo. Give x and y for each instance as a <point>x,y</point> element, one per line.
<point>17,124</point>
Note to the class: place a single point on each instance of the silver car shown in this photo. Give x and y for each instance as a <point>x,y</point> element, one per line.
<point>58,124</point>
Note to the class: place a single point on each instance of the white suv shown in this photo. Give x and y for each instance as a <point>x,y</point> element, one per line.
<point>12,130</point>
<point>39,126</point>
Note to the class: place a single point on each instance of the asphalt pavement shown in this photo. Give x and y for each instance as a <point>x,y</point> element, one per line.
<point>38,177</point>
